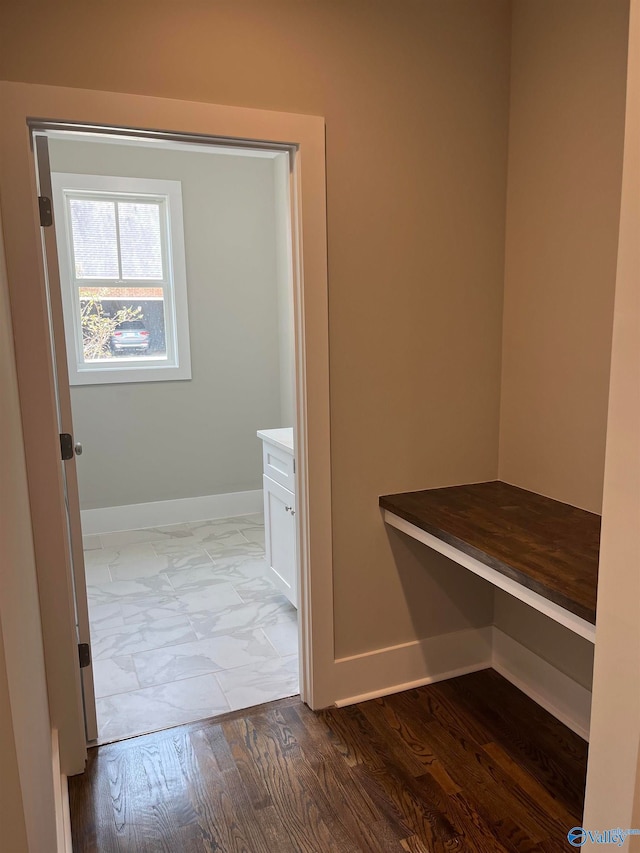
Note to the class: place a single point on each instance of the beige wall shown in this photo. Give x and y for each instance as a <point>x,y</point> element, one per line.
<point>566,128</point>
<point>12,821</point>
<point>635,818</point>
<point>563,649</point>
<point>27,806</point>
<point>416,104</point>
<point>183,439</point>
<point>568,67</point>
<point>615,728</point>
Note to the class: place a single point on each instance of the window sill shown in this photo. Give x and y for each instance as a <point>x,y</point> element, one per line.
<point>117,375</point>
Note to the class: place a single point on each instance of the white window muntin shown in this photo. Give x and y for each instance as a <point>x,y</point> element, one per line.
<point>168,195</point>
<point>132,198</point>
<point>93,282</point>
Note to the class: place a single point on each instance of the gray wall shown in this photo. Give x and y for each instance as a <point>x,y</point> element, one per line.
<point>164,440</point>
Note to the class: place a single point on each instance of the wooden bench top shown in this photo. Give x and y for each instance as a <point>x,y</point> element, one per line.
<point>549,547</point>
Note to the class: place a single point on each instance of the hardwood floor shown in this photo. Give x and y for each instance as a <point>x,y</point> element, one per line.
<point>468,764</point>
<point>547,546</point>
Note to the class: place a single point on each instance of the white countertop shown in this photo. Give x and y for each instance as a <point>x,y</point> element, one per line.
<point>282,438</point>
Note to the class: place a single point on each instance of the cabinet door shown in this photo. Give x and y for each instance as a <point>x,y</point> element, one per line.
<point>280,538</point>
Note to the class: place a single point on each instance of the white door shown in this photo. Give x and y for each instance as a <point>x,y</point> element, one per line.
<point>280,537</point>
<point>65,426</point>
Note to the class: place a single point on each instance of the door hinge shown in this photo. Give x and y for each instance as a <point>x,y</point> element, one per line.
<point>66,445</point>
<point>84,654</point>
<point>46,213</point>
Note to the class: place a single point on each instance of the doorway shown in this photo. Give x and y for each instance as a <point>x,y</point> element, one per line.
<point>171,648</point>
<point>42,420</point>
<point>174,262</point>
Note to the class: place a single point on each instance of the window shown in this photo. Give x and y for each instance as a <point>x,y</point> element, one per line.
<point>123,278</point>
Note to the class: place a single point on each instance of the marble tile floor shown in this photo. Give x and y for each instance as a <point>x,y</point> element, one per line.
<point>185,624</point>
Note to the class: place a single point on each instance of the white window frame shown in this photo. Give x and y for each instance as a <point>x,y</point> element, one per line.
<point>177,364</point>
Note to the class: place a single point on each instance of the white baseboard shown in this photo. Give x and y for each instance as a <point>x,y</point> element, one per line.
<point>396,668</point>
<point>61,799</point>
<point>556,692</point>
<point>109,519</point>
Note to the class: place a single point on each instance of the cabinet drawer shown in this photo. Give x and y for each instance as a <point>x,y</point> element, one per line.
<point>278,465</point>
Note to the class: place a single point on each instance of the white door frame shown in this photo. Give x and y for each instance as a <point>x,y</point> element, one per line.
<point>20,103</point>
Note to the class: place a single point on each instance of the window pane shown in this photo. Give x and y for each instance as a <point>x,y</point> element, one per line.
<point>95,248</point>
<point>119,328</point>
<point>140,244</point>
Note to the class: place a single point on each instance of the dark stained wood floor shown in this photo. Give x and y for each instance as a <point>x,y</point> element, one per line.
<point>468,764</point>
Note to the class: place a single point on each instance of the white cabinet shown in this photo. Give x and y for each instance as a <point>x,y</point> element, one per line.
<point>280,510</point>
<point>280,537</point>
